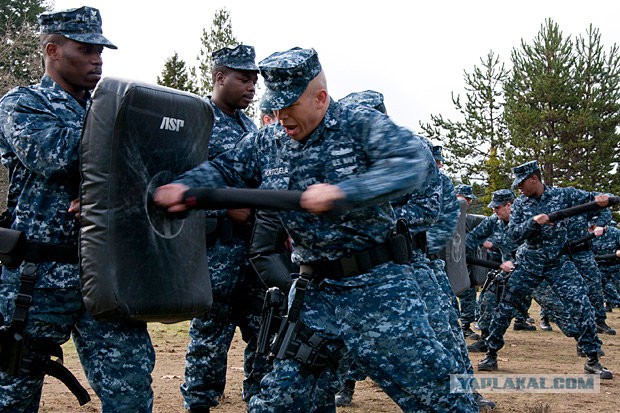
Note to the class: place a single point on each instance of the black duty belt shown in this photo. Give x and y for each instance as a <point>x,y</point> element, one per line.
<point>350,265</point>
<point>15,248</point>
<point>43,251</point>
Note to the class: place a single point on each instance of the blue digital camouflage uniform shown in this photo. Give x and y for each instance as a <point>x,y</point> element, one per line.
<point>583,258</point>
<point>444,227</point>
<point>369,158</point>
<point>237,295</point>
<point>609,243</point>
<point>441,233</point>
<point>438,235</point>
<point>421,211</point>
<point>495,230</point>
<point>540,258</point>
<point>39,137</point>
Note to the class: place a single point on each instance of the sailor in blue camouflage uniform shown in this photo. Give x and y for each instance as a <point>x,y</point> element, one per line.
<point>437,237</point>
<point>583,258</point>
<point>492,233</point>
<point>421,212</point>
<point>442,232</point>
<point>354,158</point>
<point>609,243</point>
<point>541,257</point>
<point>40,128</point>
<point>237,291</point>
<point>351,371</point>
<point>445,226</point>
<point>468,304</point>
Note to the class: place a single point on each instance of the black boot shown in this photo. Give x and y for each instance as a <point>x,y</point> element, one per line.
<point>479,346</point>
<point>482,403</point>
<point>344,397</point>
<point>469,333</point>
<point>489,362</point>
<point>198,410</point>
<point>544,324</point>
<point>522,325</point>
<point>603,328</point>
<point>594,367</point>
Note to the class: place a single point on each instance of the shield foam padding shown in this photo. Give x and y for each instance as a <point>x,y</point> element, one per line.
<point>478,274</point>
<point>454,255</point>
<point>136,260</point>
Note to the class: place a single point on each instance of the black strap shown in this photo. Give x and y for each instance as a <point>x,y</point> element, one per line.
<point>35,366</point>
<point>27,279</point>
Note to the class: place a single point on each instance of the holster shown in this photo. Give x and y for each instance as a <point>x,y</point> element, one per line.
<point>297,341</point>
<point>274,310</point>
<point>21,354</point>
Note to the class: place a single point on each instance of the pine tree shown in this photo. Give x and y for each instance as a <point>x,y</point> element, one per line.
<point>476,145</point>
<point>20,57</point>
<point>596,149</point>
<point>562,108</point>
<point>219,35</point>
<point>176,75</point>
<point>540,99</point>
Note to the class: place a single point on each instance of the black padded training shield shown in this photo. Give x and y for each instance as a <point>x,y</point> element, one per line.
<point>137,262</point>
<point>477,274</point>
<point>454,253</point>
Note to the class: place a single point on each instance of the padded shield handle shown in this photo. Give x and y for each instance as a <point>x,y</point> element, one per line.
<point>228,198</point>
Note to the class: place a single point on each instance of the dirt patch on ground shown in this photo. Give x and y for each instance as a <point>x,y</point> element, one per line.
<point>536,352</point>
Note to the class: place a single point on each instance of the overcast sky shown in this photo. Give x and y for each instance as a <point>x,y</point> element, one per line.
<point>414,52</point>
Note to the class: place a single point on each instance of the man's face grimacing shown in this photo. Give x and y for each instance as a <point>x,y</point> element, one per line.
<point>301,118</point>
<point>238,88</point>
<point>503,211</point>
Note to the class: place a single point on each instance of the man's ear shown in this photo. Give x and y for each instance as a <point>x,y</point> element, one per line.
<point>219,77</point>
<point>53,51</point>
<point>322,98</point>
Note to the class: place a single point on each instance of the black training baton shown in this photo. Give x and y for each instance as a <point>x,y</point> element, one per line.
<point>231,198</point>
<point>580,209</point>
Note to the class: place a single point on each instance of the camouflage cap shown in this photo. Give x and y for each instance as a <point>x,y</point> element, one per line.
<point>81,24</point>
<point>437,153</point>
<point>287,75</point>
<point>522,172</point>
<point>262,107</point>
<point>500,197</point>
<point>368,98</point>
<point>240,58</point>
<point>466,191</point>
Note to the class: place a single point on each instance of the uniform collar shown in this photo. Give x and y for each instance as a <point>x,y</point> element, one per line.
<point>56,92</point>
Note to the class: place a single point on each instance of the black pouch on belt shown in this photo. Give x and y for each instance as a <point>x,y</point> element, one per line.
<point>12,247</point>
